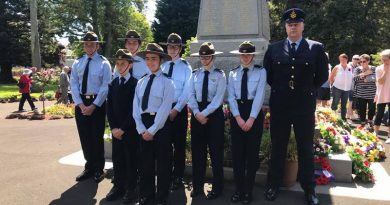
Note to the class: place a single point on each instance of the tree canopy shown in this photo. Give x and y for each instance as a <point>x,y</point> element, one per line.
<point>175,16</point>
<point>348,26</point>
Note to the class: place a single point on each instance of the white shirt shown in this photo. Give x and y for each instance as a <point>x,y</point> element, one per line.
<point>343,79</point>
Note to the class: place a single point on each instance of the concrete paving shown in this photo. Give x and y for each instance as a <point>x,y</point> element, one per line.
<point>30,172</point>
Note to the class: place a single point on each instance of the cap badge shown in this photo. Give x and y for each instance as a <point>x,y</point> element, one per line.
<point>293,15</point>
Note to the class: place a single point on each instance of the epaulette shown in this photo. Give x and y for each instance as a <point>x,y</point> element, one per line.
<point>258,66</point>
<point>235,68</point>
<point>80,57</point>
<point>184,61</point>
<point>165,74</point>
<point>104,58</point>
<point>219,70</point>
<point>194,71</point>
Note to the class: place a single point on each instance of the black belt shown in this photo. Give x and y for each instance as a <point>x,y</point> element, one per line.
<point>88,97</point>
<point>244,101</point>
<point>149,113</point>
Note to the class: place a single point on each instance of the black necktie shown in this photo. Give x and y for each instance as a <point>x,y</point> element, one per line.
<point>205,86</point>
<point>293,50</point>
<point>123,79</point>
<point>85,78</point>
<point>170,69</point>
<point>145,98</point>
<point>244,85</point>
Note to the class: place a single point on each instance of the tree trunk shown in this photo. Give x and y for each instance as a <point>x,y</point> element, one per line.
<point>35,50</point>
<point>6,73</point>
<point>108,28</point>
<point>94,15</point>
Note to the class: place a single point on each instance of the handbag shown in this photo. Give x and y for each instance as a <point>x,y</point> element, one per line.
<point>21,85</point>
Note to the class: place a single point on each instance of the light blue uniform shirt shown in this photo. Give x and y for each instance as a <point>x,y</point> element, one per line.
<point>256,88</point>
<point>181,75</point>
<point>216,90</point>
<point>139,69</point>
<point>127,77</point>
<point>160,101</point>
<point>99,76</point>
<point>297,43</point>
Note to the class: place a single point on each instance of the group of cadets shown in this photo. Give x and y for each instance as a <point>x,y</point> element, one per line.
<point>146,104</point>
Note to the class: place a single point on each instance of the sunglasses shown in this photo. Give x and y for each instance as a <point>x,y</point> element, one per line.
<point>355,59</point>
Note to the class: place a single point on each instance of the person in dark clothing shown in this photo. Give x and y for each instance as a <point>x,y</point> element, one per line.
<point>125,137</point>
<point>296,68</point>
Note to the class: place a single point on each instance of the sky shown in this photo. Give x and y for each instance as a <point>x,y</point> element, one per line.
<point>149,12</point>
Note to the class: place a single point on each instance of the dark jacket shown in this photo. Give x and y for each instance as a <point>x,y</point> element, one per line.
<point>309,68</point>
<point>120,104</point>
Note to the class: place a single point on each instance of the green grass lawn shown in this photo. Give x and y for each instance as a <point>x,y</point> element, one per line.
<point>10,90</point>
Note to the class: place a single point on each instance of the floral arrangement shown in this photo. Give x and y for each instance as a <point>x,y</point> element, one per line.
<point>362,146</point>
<point>322,171</point>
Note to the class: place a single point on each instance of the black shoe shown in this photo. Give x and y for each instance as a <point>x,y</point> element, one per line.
<point>311,199</point>
<point>247,199</point>
<point>98,177</point>
<point>114,193</point>
<point>84,175</point>
<point>271,194</point>
<point>129,196</point>
<point>195,192</point>
<point>212,195</point>
<point>143,200</point>
<point>236,197</point>
<point>176,183</point>
<point>162,202</point>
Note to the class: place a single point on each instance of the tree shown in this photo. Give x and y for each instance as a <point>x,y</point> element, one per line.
<point>348,26</point>
<point>35,50</point>
<point>14,37</point>
<point>109,19</point>
<point>176,16</point>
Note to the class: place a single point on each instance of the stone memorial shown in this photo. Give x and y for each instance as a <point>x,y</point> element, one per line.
<point>227,23</point>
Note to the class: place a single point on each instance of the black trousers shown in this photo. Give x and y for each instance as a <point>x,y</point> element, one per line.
<point>179,135</point>
<point>26,96</point>
<point>91,131</point>
<point>362,109</point>
<point>245,148</point>
<point>210,135</point>
<point>380,111</point>
<point>158,150</point>
<point>280,134</point>
<point>124,157</point>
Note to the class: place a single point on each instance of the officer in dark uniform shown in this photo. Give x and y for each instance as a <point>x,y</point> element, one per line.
<point>207,90</point>
<point>90,77</point>
<point>296,68</point>
<point>152,103</point>
<point>125,139</point>
<point>246,90</point>
<point>180,72</point>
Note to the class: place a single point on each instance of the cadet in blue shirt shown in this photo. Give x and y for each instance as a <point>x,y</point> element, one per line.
<point>152,104</point>
<point>90,77</point>
<point>133,42</point>
<point>125,138</point>
<point>246,95</point>
<point>207,90</point>
<point>180,72</point>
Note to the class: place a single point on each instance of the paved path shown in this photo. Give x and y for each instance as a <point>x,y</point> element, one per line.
<point>30,172</point>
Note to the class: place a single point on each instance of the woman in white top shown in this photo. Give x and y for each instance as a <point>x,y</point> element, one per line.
<point>341,80</point>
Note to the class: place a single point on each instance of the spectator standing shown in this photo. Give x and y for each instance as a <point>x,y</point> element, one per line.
<point>365,86</point>
<point>382,97</point>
